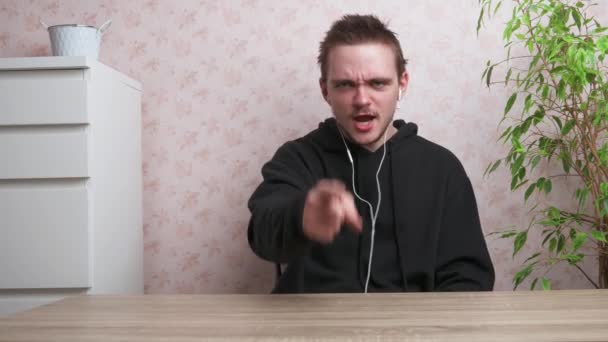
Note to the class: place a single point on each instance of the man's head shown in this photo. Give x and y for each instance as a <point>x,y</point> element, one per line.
<point>362,75</point>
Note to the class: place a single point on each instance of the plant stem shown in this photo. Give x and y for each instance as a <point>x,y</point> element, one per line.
<point>586,276</point>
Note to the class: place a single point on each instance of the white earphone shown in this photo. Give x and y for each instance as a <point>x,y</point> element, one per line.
<point>350,157</point>
<point>398,106</point>
<point>373,214</point>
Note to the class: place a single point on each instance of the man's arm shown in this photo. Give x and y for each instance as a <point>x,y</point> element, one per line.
<point>275,230</point>
<point>463,261</point>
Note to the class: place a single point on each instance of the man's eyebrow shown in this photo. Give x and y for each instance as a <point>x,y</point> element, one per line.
<point>381,79</point>
<point>342,80</point>
<point>386,80</point>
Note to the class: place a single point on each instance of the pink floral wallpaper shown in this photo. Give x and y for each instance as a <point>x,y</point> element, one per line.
<point>226,82</point>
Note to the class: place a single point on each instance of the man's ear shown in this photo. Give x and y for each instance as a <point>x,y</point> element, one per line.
<point>403,81</point>
<point>323,86</point>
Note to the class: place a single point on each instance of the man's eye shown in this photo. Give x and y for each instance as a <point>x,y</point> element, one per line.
<point>343,85</point>
<point>378,84</point>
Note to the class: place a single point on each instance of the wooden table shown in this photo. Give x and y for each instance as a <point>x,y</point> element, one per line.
<point>497,316</point>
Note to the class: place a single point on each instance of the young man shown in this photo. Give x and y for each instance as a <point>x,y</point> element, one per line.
<point>363,203</point>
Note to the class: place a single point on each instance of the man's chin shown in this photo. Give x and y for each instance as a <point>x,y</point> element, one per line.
<point>372,140</point>
<point>367,140</point>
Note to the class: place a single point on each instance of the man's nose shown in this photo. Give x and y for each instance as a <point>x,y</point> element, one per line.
<point>361,98</point>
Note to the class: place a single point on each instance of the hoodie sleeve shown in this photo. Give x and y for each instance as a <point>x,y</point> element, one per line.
<point>275,230</point>
<point>463,261</point>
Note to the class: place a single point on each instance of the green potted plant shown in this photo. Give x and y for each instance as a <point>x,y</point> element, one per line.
<point>557,117</point>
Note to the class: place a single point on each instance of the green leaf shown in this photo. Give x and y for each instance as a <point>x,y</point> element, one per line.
<point>534,62</point>
<point>561,89</point>
<point>573,259</point>
<point>546,284</point>
<point>497,7</point>
<point>561,242</point>
<point>526,19</point>
<point>552,244</point>
<point>557,70</point>
<point>522,174</point>
<point>554,214</point>
<point>512,26</point>
<point>540,183</point>
<point>604,188</point>
<point>579,240</point>
<point>533,285</point>
<point>548,223</point>
<point>508,76</point>
<point>577,19</point>
<point>506,34</point>
<point>529,191</point>
<point>489,76</point>
<point>505,134</point>
<point>557,121</point>
<point>522,275</point>
<point>581,195</point>
<point>487,169</point>
<point>530,45</point>
<point>599,236</point>
<point>507,235</point>
<point>545,92</point>
<point>480,19</point>
<point>565,165</point>
<point>528,102</point>
<point>519,242</point>
<point>520,184</point>
<point>547,186</point>
<point>534,256</point>
<point>600,29</point>
<point>517,164</point>
<point>510,103</point>
<point>551,232</point>
<point>602,44</point>
<point>495,166</point>
<point>538,116</point>
<point>535,161</point>
<point>568,126</point>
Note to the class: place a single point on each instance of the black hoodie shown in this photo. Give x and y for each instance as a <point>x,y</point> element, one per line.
<point>439,241</point>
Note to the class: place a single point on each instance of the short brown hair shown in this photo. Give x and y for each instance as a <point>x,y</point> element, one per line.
<point>358,29</point>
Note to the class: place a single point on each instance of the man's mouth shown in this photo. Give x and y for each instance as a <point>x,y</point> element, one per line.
<point>364,122</point>
<point>364,117</point>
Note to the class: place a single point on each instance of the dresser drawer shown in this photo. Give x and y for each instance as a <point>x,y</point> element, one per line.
<point>44,240</point>
<point>43,102</point>
<point>43,152</point>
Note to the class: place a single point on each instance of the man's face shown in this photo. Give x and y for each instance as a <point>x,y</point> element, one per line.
<point>362,89</point>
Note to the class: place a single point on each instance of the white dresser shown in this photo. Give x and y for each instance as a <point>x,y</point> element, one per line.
<point>70,181</point>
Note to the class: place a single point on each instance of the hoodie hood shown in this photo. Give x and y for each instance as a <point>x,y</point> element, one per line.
<point>328,136</point>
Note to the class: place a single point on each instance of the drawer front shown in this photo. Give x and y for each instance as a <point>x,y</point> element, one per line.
<point>43,102</point>
<point>42,74</point>
<point>43,153</point>
<point>44,236</point>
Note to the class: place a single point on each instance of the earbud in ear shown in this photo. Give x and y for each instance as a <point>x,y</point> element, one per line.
<point>398,106</point>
